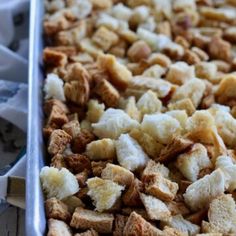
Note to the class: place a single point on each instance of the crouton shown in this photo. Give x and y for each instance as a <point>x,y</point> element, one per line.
<point>101,150</point>
<point>155,71</point>
<point>136,225</point>
<point>119,74</point>
<point>90,232</point>
<point>183,104</point>
<point>77,162</point>
<point>193,161</point>
<point>58,228</point>
<point>58,141</point>
<point>97,167</point>
<point>113,123</point>
<point>58,161</point>
<point>129,153</point>
<point>132,110</point>
<point>222,215</point>
<point>54,58</point>
<point>56,209</point>
<point>50,103</point>
<point>86,219</point>
<point>72,128</point>
<point>197,217</point>
<point>199,194</point>
<point>161,126</point>
<point>168,231</point>
<point>131,196</point>
<point>160,187</point>
<point>179,115</point>
<point>156,209</point>
<point>180,72</point>
<point>103,192</point>
<point>177,208</point>
<point>56,118</point>
<point>178,222</point>
<point>120,221</point>
<point>176,146</point>
<point>206,70</point>
<point>58,183</point>
<point>72,202</point>
<point>95,110</point>
<point>149,103</point>
<point>152,168</point>
<point>117,174</point>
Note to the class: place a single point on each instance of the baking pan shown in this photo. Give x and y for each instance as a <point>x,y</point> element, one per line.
<point>35,215</point>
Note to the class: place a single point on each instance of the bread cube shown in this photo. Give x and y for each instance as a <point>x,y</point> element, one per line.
<point>58,228</point>
<point>95,110</point>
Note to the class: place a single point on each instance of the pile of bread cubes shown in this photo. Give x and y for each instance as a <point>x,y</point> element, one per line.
<point>140,117</point>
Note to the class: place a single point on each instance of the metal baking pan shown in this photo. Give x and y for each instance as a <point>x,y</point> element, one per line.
<point>35,215</point>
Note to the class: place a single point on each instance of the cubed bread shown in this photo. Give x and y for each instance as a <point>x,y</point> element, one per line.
<point>153,168</point>
<point>149,103</point>
<point>183,104</point>
<point>72,202</point>
<point>178,208</point>
<point>113,123</point>
<point>156,209</point>
<point>206,70</point>
<point>104,193</point>
<point>129,153</point>
<point>180,115</point>
<point>160,187</point>
<point>117,174</point>
<point>132,110</point>
<point>168,231</point>
<point>225,163</point>
<point>72,128</point>
<point>90,232</point>
<point>97,167</point>
<point>56,209</point>
<point>200,193</point>
<point>87,219</point>
<point>210,234</point>
<point>95,110</point>
<point>58,228</point>
<point>222,215</point>
<point>136,225</point>
<point>155,71</point>
<point>101,150</point>
<point>131,197</point>
<point>58,141</point>
<point>178,222</point>
<point>161,126</point>
<point>120,222</point>
<point>193,89</point>
<point>193,161</point>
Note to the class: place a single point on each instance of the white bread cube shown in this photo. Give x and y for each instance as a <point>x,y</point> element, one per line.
<point>156,209</point>
<point>129,153</point>
<point>178,222</point>
<point>149,103</point>
<point>87,219</point>
<point>179,115</point>
<point>108,21</point>
<point>95,110</point>
<point>58,228</point>
<point>200,193</point>
<point>121,12</point>
<point>207,70</point>
<point>58,183</point>
<point>102,149</point>
<point>222,215</point>
<point>180,72</point>
<point>117,174</point>
<point>103,192</point>
<point>131,109</point>
<point>192,162</point>
<point>161,126</point>
<point>155,71</point>
<point>113,123</point>
<point>153,168</point>
<point>193,89</point>
<point>226,164</point>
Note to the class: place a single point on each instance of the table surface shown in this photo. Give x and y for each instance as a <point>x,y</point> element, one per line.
<point>12,220</point>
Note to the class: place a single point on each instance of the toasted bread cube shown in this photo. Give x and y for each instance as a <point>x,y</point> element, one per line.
<point>147,142</point>
<point>155,71</point>
<point>117,174</point>
<point>193,161</point>
<point>131,196</point>
<point>103,192</point>
<point>113,123</point>
<point>120,221</point>
<point>222,215</point>
<point>54,58</point>
<point>90,232</point>
<point>101,150</point>
<point>132,110</point>
<point>95,110</point>
<point>149,103</point>
<point>206,70</point>
<point>72,202</point>
<point>199,194</point>
<point>180,72</point>
<point>129,153</point>
<point>178,222</point>
<point>183,104</point>
<point>58,141</point>
<point>87,219</point>
<point>179,115</point>
<point>72,128</point>
<point>56,209</point>
<point>161,126</point>
<point>105,38</point>
<point>160,187</point>
<point>226,164</point>
<point>119,74</point>
<point>137,225</point>
<point>177,208</point>
<point>168,231</point>
<point>97,167</point>
<point>193,89</point>
<point>156,209</point>
<point>153,168</point>
<point>58,228</point>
